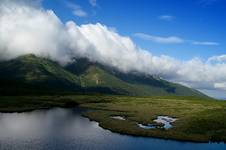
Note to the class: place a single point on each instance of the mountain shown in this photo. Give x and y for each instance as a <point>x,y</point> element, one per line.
<point>29,74</point>
<point>93,74</point>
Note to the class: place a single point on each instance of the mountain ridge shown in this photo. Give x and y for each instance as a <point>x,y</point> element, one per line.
<point>82,76</point>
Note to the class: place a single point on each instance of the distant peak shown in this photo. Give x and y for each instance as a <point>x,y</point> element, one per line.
<point>28,56</point>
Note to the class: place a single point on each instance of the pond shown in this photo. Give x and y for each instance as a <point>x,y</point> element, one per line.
<point>161,120</point>
<point>59,128</point>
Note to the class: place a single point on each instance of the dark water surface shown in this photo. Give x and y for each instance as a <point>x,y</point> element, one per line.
<point>58,129</point>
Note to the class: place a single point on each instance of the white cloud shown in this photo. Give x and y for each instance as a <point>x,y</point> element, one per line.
<point>221,85</point>
<point>93,2</point>
<point>172,40</point>
<point>166,17</point>
<point>114,29</point>
<point>217,59</point>
<point>79,13</point>
<point>77,9</point>
<point>26,28</point>
<point>160,39</point>
<point>205,43</point>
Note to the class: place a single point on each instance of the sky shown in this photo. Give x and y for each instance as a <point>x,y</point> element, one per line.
<point>180,41</point>
<point>200,24</point>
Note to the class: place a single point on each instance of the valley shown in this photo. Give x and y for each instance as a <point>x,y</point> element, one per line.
<point>29,83</point>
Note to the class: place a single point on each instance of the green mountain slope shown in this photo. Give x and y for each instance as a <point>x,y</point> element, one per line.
<point>97,75</point>
<point>31,74</point>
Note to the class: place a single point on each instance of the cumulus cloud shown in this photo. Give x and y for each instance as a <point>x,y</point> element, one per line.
<point>217,59</point>
<point>28,28</point>
<point>160,39</point>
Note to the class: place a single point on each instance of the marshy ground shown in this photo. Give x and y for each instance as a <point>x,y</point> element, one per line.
<point>199,120</point>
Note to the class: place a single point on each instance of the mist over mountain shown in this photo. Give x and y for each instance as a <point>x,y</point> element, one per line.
<point>29,74</point>
<point>26,27</point>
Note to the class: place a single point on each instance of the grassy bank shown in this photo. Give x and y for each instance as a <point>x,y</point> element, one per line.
<point>27,103</point>
<point>199,120</point>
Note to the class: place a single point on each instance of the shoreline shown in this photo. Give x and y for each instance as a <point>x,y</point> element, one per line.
<point>153,136</point>
<point>114,131</point>
<point>137,109</point>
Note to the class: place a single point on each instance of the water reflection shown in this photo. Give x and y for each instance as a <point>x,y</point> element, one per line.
<point>67,129</point>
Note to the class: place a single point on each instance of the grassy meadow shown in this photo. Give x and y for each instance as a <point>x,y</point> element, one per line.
<point>199,120</point>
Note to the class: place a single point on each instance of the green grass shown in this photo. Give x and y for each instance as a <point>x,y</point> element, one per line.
<point>199,120</point>
<point>26,103</point>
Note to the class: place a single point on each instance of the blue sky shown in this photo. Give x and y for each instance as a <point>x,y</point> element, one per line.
<point>199,25</point>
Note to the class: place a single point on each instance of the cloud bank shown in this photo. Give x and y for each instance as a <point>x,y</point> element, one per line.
<point>28,28</point>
